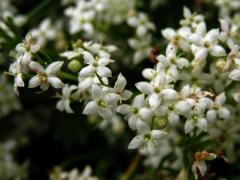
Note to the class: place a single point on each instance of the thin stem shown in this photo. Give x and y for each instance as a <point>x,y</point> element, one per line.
<point>132,167</point>
<point>66,75</point>
<point>100,79</point>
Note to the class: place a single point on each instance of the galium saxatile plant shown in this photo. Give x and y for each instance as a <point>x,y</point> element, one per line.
<point>185,103</point>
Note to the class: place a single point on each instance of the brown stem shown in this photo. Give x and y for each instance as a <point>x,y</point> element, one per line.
<point>132,167</point>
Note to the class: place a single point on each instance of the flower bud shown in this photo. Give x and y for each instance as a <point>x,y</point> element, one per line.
<point>74,65</point>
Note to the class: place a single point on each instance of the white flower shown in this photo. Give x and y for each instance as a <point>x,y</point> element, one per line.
<point>45,77</point>
<point>119,88</point>
<point>101,103</point>
<point>207,44</point>
<point>15,70</point>
<point>147,140</point>
<point>95,65</point>
<point>72,54</point>
<point>64,103</point>
<point>99,49</point>
<point>193,120</point>
<point>200,164</point>
<point>136,112</point>
<point>27,48</point>
<point>44,32</point>
<point>81,17</point>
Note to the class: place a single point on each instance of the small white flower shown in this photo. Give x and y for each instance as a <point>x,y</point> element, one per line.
<point>136,112</point>
<point>47,76</point>
<point>147,140</point>
<point>15,70</point>
<point>95,65</point>
<point>27,48</point>
<point>64,103</point>
<point>101,103</point>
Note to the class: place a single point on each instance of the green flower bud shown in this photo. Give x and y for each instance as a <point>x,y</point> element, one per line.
<point>74,65</point>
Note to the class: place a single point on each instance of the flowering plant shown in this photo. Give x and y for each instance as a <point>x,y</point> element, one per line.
<point>180,119</point>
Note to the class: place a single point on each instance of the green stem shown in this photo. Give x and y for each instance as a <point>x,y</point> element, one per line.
<point>66,75</point>
<point>101,81</point>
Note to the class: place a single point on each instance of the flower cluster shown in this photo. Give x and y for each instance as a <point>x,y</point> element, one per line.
<point>142,40</point>
<point>24,61</point>
<point>191,92</point>
<point>86,16</point>
<point>74,174</point>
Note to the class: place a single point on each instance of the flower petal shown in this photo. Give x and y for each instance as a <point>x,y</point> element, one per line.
<point>55,82</point>
<point>34,82</point>
<point>136,142</point>
<point>54,67</point>
<point>91,108</point>
<point>144,87</point>
<point>36,67</point>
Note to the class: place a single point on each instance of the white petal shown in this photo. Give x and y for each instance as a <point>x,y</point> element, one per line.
<point>69,54</point>
<point>144,87</point>
<point>104,61</point>
<point>123,109</point>
<point>120,83</point>
<point>126,94</point>
<point>152,148</point>
<point>211,115</point>
<point>186,12</point>
<point>154,101</point>
<point>148,73</point>
<point>201,54</point>
<point>146,114</point>
<point>182,107</point>
<point>60,105</point>
<point>26,58</point>
<point>212,35</point>
<point>67,106</point>
<point>141,30</point>
<point>106,114</point>
<point>54,67</point>
<point>34,48</point>
<point>136,142</point>
<point>202,167</point>
<point>173,118</point>
<point>157,134</point>
<point>88,57</point>
<point>34,82</point>
<point>189,125</point>
<point>202,124</point>
<point>185,91</point>
<point>224,113</point>
<point>235,75</point>
<point>217,51</point>
<point>168,33</point>
<point>182,63</point>
<point>132,121</point>
<point>142,127</point>
<point>55,82</point>
<point>169,94</point>
<point>97,92</point>
<point>139,101</point>
<point>36,67</point>
<point>220,99</point>
<point>91,108</point>
<point>18,81</point>
<point>84,84</point>
<point>112,99</point>
<point>86,71</point>
<point>104,71</point>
